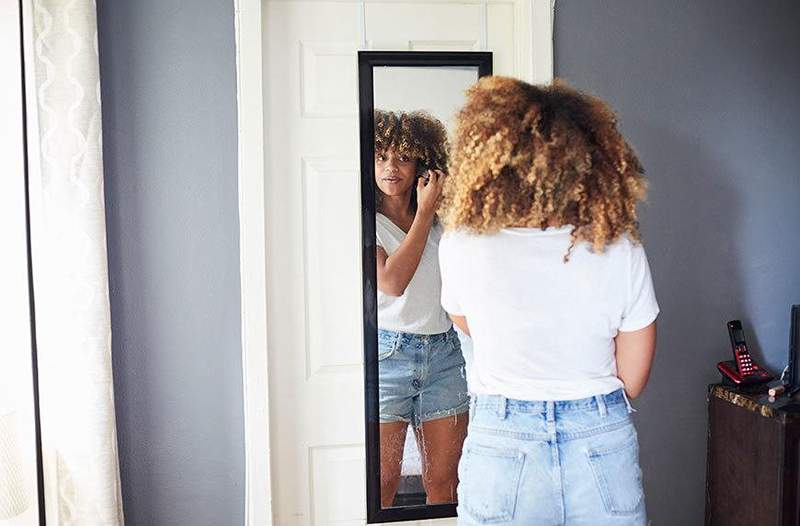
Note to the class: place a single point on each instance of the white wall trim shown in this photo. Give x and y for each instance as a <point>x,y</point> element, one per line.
<point>484,42</point>
<point>542,18</point>
<point>362,25</point>
<point>252,261</point>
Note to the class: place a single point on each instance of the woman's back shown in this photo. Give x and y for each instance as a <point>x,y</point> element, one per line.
<point>543,328</point>
<point>562,318</point>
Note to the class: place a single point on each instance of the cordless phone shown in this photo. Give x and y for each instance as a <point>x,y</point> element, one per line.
<point>742,370</point>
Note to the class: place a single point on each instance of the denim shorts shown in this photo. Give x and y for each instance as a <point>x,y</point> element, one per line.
<point>548,463</point>
<point>420,376</point>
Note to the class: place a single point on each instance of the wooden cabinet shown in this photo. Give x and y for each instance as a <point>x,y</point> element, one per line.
<point>753,455</point>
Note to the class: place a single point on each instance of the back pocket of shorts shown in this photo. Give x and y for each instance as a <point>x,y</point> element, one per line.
<point>387,344</point>
<point>489,483</point>
<point>618,476</point>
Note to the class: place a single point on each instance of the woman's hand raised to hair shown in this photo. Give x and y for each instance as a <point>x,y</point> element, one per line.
<point>396,271</point>
<point>429,191</point>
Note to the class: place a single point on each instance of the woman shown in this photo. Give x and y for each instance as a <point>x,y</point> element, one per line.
<point>542,265</point>
<point>420,368</point>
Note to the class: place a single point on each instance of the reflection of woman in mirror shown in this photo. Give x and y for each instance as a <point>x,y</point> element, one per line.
<point>421,368</point>
<point>542,264</point>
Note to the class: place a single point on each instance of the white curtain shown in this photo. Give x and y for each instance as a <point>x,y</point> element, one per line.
<point>79,442</point>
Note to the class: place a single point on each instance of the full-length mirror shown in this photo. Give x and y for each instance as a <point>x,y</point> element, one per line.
<point>416,360</point>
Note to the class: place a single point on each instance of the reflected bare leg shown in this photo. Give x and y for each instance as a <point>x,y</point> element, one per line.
<point>441,441</point>
<point>393,438</point>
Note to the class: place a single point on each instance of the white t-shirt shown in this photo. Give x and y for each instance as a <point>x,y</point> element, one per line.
<point>418,310</point>
<point>543,329</point>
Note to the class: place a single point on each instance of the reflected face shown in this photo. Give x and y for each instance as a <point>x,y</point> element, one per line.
<point>395,174</point>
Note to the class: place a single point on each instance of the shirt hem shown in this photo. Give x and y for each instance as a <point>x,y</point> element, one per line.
<point>543,396</point>
<point>639,325</point>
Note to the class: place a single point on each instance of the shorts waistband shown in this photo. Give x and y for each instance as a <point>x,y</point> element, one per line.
<point>551,407</point>
<point>409,336</point>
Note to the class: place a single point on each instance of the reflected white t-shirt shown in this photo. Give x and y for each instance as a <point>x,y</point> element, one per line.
<point>543,329</point>
<point>418,310</point>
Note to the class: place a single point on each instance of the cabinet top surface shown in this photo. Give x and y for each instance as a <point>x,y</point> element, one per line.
<point>757,400</point>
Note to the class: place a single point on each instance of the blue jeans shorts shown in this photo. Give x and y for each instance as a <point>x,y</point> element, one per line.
<point>548,463</point>
<point>420,376</point>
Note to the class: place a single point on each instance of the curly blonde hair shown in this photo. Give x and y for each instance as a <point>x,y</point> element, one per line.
<point>417,134</point>
<point>533,156</point>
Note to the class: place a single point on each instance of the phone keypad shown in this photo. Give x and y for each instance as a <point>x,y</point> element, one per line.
<point>743,360</point>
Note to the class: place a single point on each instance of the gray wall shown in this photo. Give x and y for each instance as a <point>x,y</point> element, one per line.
<point>707,93</point>
<point>169,123</point>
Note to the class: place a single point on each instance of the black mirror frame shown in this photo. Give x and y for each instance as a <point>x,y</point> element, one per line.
<point>367,60</point>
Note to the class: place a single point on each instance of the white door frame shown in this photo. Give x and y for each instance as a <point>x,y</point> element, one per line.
<point>252,232</point>
<point>252,260</point>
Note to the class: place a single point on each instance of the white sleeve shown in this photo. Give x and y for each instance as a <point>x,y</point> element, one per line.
<point>381,236</point>
<point>449,301</point>
<point>641,308</point>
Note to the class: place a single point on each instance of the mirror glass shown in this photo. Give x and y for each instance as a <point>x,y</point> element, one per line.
<point>422,402</point>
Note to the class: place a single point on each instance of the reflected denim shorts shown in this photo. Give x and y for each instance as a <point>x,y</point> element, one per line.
<point>551,463</point>
<point>421,377</point>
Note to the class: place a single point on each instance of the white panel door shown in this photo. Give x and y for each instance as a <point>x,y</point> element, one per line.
<point>313,229</point>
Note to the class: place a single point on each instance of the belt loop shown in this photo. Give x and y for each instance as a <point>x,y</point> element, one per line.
<point>500,406</point>
<point>472,404</point>
<point>551,411</point>
<point>628,402</point>
<point>601,405</point>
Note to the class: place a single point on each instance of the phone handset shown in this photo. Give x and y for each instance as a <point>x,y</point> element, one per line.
<point>742,369</point>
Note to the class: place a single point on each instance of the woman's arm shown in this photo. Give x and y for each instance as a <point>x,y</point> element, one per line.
<point>461,323</point>
<point>395,271</point>
<point>635,352</point>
